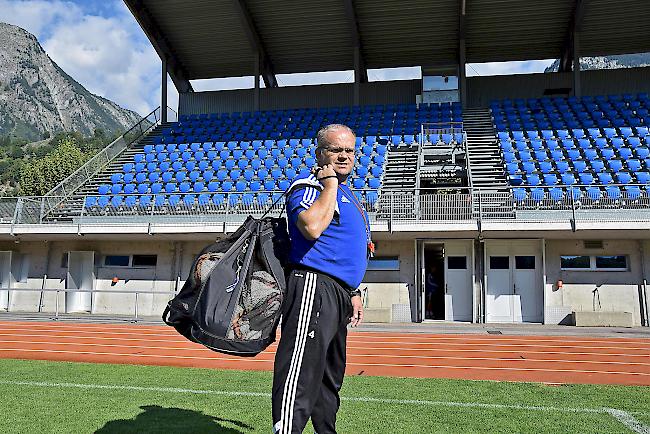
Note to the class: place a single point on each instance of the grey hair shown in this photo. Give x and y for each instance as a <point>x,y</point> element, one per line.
<point>321,137</point>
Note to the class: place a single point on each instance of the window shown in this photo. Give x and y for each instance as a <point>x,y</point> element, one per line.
<point>387,263</point>
<point>116,261</point>
<point>611,262</point>
<point>574,262</point>
<point>457,262</point>
<point>499,262</point>
<point>144,260</point>
<point>524,262</point>
<point>594,263</point>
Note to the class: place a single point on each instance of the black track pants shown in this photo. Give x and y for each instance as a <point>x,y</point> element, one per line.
<point>310,360</point>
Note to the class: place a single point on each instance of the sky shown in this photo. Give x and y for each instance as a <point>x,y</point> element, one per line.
<point>99,44</point>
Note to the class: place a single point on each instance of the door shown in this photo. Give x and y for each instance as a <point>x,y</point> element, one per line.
<point>445,276</point>
<point>81,275</point>
<point>514,290</point>
<point>6,279</point>
<point>527,282</point>
<point>458,280</point>
<point>498,296</point>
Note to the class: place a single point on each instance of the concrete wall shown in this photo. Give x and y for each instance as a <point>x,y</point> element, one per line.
<point>325,95</point>
<point>618,290</point>
<point>481,90</point>
<point>388,288</point>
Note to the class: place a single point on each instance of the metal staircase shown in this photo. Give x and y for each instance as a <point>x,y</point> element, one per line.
<point>401,169</point>
<point>73,205</point>
<point>485,166</point>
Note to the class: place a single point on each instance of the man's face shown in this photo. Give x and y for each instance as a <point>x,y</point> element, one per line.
<point>339,152</point>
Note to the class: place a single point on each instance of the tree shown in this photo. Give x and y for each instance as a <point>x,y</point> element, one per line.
<point>38,176</point>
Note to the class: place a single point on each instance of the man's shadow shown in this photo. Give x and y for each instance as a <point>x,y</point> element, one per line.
<point>156,419</point>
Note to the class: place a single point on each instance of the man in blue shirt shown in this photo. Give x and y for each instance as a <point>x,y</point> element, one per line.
<point>330,245</point>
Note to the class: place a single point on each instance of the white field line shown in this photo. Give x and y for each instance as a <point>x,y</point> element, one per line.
<point>625,418</point>
<point>352,340</point>
<point>350,355</point>
<point>194,346</point>
<point>167,331</point>
<point>239,361</point>
<point>628,420</point>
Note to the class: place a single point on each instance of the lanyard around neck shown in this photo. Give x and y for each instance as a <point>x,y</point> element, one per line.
<point>359,208</point>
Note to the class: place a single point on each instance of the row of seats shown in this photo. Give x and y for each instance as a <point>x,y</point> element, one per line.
<point>630,193</point>
<point>569,113</point>
<point>297,124</point>
<point>263,199</point>
<point>289,113</point>
<point>574,155</point>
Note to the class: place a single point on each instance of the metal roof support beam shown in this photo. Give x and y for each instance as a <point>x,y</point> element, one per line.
<point>462,57</point>
<point>163,93</point>
<point>360,71</point>
<point>576,64</point>
<point>357,69</point>
<point>256,44</point>
<point>575,26</point>
<point>256,77</point>
<point>176,70</point>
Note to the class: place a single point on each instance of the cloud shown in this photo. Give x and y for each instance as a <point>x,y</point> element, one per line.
<point>39,17</point>
<point>104,49</point>
<point>386,74</point>
<point>507,68</point>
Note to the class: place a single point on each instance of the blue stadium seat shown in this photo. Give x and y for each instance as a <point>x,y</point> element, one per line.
<point>632,192</point>
<point>594,193</point>
<point>613,192</point>
<point>172,200</point>
<point>597,166</point>
<point>160,200</point>
<point>144,201</point>
<point>605,178</point>
<point>623,178</point>
<point>519,194</point>
<point>579,166</point>
<point>615,165</point>
<point>586,178</point>
<point>218,199</point>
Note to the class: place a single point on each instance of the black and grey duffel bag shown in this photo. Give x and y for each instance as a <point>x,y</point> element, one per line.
<point>232,299</point>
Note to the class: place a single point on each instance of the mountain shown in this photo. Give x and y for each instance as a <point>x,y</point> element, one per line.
<point>608,62</point>
<point>37,98</point>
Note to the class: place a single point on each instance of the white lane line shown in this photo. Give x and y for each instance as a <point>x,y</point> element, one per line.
<point>350,355</point>
<point>628,420</point>
<point>624,417</point>
<point>219,358</point>
<point>367,335</point>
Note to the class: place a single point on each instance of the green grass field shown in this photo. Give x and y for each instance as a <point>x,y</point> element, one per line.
<point>62,397</point>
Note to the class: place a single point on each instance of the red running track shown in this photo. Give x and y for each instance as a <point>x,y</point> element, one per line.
<point>547,359</point>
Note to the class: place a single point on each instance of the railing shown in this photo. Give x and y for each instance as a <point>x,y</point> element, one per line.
<point>94,292</point>
<point>102,158</point>
<point>458,204</point>
<point>450,127</point>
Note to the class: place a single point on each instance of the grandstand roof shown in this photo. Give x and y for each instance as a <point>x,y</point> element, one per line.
<point>219,38</point>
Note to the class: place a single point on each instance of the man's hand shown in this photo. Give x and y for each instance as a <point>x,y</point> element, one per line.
<point>357,311</point>
<point>326,171</point>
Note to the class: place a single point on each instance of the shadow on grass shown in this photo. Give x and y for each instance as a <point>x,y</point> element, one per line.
<point>156,419</point>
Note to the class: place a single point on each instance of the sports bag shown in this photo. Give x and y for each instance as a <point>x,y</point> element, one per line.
<point>232,300</point>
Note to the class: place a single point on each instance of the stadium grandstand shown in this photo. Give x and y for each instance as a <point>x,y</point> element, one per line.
<point>516,199</point>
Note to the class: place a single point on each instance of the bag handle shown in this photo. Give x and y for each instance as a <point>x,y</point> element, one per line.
<point>268,210</point>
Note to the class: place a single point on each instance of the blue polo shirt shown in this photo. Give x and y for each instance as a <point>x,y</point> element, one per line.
<point>342,249</point>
